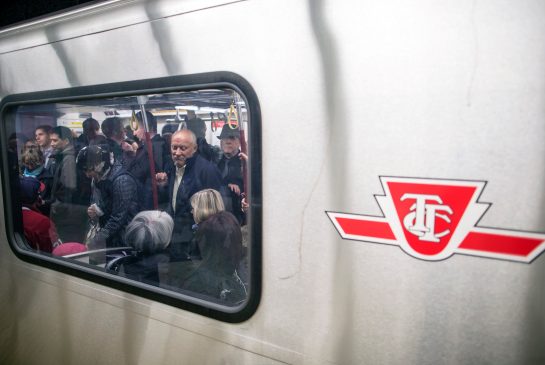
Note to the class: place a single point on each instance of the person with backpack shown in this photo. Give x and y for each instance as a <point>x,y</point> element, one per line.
<point>115,195</point>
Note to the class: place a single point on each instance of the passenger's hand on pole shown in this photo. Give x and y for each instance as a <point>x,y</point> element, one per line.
<point>92,213</point>
<point>127,147</point>
<point>161,178</point>
<point>234,188</point>
<point>243,156</point>
<point>245,205</point>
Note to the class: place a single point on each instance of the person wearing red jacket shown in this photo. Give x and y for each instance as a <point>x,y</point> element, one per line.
<point>39,230</point>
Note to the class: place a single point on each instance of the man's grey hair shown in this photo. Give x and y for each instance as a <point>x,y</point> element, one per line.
<point>191,135</point>
<point>150,231</point>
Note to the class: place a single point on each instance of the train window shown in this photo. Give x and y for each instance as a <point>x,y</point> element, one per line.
<point>153,190</point>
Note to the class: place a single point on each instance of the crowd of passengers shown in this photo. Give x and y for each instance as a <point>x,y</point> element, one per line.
<point>182,209</point>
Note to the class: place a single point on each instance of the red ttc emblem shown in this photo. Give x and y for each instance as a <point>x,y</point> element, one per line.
<point>434,219</point>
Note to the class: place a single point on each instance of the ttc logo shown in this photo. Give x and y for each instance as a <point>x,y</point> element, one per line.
<point>434,219</point>
<point>414,221</point>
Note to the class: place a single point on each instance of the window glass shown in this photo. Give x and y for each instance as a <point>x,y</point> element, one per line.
<point>151,188</point>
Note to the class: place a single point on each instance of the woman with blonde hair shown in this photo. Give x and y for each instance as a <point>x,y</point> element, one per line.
<point>219,240</point>
<point>206,203</point>
<point>33,163</point>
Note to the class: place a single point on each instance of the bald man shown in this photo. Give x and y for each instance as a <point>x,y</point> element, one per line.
<point>191,173</point>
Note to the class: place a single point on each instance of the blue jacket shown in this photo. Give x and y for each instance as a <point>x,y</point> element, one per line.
<point>199,174</point>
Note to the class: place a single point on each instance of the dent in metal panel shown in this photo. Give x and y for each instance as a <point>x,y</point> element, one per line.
<point>332,98</point>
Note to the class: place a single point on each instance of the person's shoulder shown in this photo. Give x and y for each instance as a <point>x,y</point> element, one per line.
<point>158,138</point>
<point>69,149</point>
<point>99,139</point>
<point>45,174</point>
<point>124,183</point>
<point>119,172</point>
<point>36,216</point>
<point>196,161</point>
<point>224,218</point>
<point>205,164</point>
<point>109,141</point>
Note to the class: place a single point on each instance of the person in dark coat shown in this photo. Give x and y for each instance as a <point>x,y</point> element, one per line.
<point>215,277</point>
<point>116,140</point>
<point>230,166</point>
<point>139,166</point>
<point>189,174</point>
<point>117,193</point>
<point>198,127</point>
<point>90,135</point>
<point>66,210</point>
<point>16,143</point>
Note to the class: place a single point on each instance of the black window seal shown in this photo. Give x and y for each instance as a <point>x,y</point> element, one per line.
<point>139,87</point>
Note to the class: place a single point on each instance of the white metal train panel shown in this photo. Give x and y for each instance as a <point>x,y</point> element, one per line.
<point>349,91</point>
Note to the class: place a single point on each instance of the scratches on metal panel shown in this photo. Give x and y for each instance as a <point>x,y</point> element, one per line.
<point>303,216</point>
<point>475,54</point>
<point>332,97</point>
<point>85,34</point>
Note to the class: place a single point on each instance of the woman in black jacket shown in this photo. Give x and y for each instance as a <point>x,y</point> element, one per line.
<point>219,240</point>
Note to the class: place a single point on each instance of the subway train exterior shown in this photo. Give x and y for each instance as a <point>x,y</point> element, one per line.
<point>394,179</point>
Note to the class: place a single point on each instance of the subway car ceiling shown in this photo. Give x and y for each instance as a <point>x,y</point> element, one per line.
<point>203,102</point>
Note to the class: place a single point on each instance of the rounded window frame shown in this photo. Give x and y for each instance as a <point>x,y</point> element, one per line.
<point>131,88</point>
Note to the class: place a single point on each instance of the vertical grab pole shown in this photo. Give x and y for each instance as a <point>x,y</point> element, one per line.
<point>243,144</point>
<point>142,100</point>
